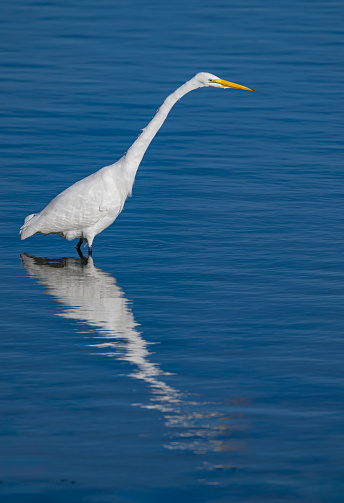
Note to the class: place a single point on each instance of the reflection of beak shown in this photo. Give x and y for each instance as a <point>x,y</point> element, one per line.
<point>224,83</point>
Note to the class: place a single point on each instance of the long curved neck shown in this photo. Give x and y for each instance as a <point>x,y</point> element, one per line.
<point>136,152</point>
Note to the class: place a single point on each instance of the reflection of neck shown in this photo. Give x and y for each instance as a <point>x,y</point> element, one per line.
<point>133,157</point>
<point>92,296</point>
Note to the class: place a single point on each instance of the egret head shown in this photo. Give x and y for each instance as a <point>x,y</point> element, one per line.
<point>210,80</point>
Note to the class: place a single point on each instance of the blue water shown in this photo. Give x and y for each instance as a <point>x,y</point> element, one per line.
<point>199,357</point>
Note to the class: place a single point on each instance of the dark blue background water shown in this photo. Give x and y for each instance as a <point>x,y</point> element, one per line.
<point>211,368</point>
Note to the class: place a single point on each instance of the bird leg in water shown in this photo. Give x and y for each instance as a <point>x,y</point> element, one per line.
<point>78,249</point>
<point>78,246</point>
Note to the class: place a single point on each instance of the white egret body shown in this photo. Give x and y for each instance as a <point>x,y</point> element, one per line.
<point>93,203</point>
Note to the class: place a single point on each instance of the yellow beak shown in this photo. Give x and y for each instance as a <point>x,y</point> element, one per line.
<point>225,83</point>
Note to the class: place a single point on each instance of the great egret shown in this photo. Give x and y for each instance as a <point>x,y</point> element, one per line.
<point>93,203</point>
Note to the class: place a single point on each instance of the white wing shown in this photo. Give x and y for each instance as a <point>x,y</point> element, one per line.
<point>80,206</point>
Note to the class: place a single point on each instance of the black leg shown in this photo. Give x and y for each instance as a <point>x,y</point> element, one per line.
<point>90,251</point>
<point>78,249</point>
<point>81,255</point>
<point>78,246</point>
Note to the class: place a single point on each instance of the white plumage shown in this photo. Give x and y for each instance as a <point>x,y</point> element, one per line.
<point>90,205</point>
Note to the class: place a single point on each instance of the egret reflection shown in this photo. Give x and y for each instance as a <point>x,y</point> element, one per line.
<point>92,297</point>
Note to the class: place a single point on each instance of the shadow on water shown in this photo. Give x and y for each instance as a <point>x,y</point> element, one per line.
<point>93,297</point>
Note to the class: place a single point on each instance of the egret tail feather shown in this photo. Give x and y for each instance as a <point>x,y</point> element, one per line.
<point>28,229</point>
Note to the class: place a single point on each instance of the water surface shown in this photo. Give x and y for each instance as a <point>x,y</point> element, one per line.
<point>198,357</point>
